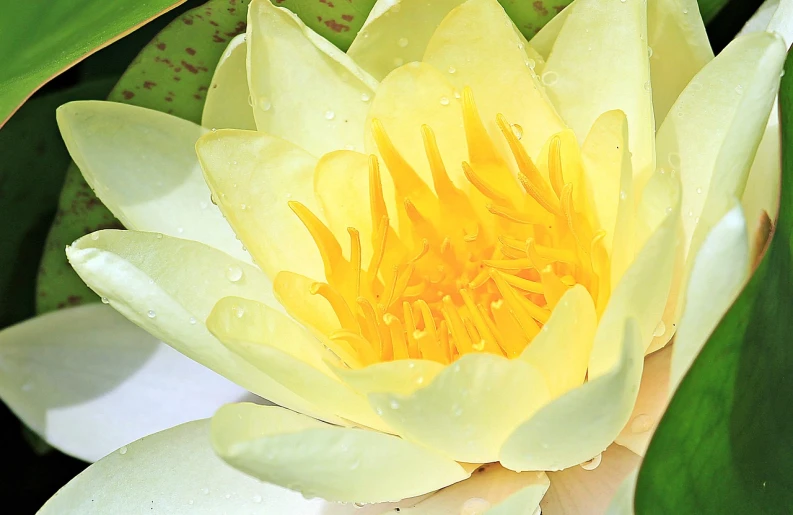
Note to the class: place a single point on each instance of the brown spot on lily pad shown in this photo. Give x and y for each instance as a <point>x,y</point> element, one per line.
<point>190,51</point>
<point>539,6</point>
<point>347,17</point>
<point>161,46</point>
<point>149,84</point>
<point>127,94</point>
<point>336,26</point>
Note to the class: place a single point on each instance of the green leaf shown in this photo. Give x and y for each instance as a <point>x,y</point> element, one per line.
<point>710,8</point>
<point>725,445</point>
<point>338,21</point>
<point>31,147</point>
<point>171,74</point>
<point>531,16</point>
<point>42,38</point>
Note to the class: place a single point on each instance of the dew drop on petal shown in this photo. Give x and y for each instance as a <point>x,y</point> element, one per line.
<point>452,69</point>
<point>674,160</point>
<point>660,329</point>
<point>550,78</point>
<point>192,321</point>
<point>94,236</point>
<point>365,97</point>
<point>394,404</point>
<point>699,191</point>
<point>330,115</point>
<point>105,300</point>
<point>444,101</point>
<point>641,423</point>
<point>123,450</point>
<point>233,273</point>
<point>517,130</point>
<point>257,499</point>
<point>623,195</point>
<point>402,42</point>
<point>593,463</point>
<point>475,506</point>
<point>265,104</point>
<point>151,314</point>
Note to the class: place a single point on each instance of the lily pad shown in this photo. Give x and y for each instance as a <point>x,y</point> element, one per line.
<point>171,74</point>
<point>725,444</point>
<point>42,39</point>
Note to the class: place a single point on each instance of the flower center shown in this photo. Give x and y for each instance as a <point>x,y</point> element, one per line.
<point>475,271</point>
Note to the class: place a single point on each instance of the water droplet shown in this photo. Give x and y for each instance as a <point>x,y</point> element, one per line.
<point>668,209</point>
<point>593,463</point>
<point>228,496</point>
<point>419,379</point>
<point>233,273</point>
<point>479,346</point>
<point>239,311</point>
<point>151,314</point>
<point>365,97</point>
<point>330,115</point>
<point>190,502</point>
<point>660,329</point>
<point>739,89</point>
<point>457,94</point>
<point>250,100</point>
<point>691,213</point>
<point>265,104</point>
<point>623,195</point>
<point>394,404</point>
<point>399,61</point>
<point>27,387</point>
<point>402,42</point>
<point>203,204</point>
<point>475,506</point>
<point>349,147</point>
<point>674,160</point>
<point>457,410</point>
<point>205,491</point>
<point>180,230</point>
<point>641,423</point>
<point>648,86</point>
<point>359,504</point>
<point>649,51</point>
<point>257,499</point>
<point>105,300</point>
<point>699,191</point>
<point>192,321</point>
<point>685,11</point>
<point>444,101</point>
<point>123,450</point>
<point>94,236</point>
<point>517,130</point>
<point>243,206</point>
<point>452,69</point>
<point>550,78</point>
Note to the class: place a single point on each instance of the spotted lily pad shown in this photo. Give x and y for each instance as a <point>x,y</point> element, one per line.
<point>171,74</point>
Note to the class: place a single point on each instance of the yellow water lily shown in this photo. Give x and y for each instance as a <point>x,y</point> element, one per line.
<point>442,255</point>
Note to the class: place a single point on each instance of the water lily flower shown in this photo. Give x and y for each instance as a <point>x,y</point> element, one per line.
<point>443,255</point>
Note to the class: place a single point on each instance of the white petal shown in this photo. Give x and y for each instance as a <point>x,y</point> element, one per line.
<point>142,165</point>
<point>89,381</point>
<point>228,102</point>
<point>175,472</point>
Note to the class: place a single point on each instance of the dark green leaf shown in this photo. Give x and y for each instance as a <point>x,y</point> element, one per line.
<point>171,74</point>
<point>710,8</point>
<point>31,175</point>
<point>41,38</point>
<point>725,445</point>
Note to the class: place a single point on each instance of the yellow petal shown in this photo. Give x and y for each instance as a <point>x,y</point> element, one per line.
<point>142,165</point>
<point>169,286</point>
<point>469,409</point>
<point>253,176</point>
<point>606,157</point>
<point>401,377</point>
<point>715,127</point>
<point>341,185</point>
<point>397,32</point>
<point>228,102</point>
<point>580,424</point>
<point>720,269</point>
<point>479,44</point>
<point>599,63</point>
<point>491,490</point>
<point>561,349</point>
<point>576,491</point>
<point>680,48</point>
<point>320,460</point>
<point>411,96</point>
<point>304,89</point>
<point>279,347</point>
<point>650,404</point>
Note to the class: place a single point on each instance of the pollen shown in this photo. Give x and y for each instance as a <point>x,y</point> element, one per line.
<point>478,269</point>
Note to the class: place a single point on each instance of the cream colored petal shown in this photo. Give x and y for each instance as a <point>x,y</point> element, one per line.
<point>561,350</point>
<point>169,286</point>
<point>469,409</point>
<point>397,32</point>
<point>716,126</point>
<point>176,472</point>
<point>582,423</point>
<point>282,349</point>
<point>599,63</point>
<point>401,377</point>
<point>320,460</point>
<point>763,185</point>
<point>88,381</point>
<point>543,41</point>
<point>491,490</point>
<point>479,43</point>
<point>622,502</point>
<point>576,491</point>
<point>253,176</point>
<point>679,49</point>
<point>411,96</point>
<point>605,154</point>
<point>641,294</point>
<point>720,269</point>
<point>761,18</point>
<point>303,88</point>
<point>228,102</point>
<point>142,165</point>
<point>341,185</point>
<point>650,404</point>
